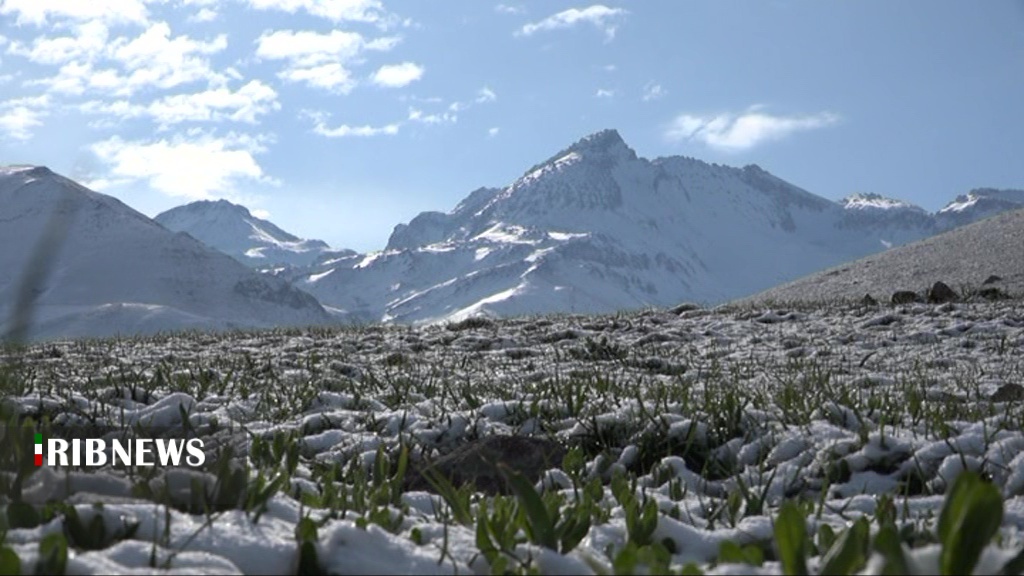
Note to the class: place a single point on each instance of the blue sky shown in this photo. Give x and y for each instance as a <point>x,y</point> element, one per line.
<point>342,118</point>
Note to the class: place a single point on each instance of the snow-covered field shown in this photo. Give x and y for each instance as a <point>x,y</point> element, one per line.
<point>694,437</point>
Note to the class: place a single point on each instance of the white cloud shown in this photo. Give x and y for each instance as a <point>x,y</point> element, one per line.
<point>603,93</point>
<point>42,12</point>
<point>448,117</point>
<point>345,130</point>
<point>333,77</point>
<point>509,9</point>
<point>318,60</point>
<point>492,132</point>
<point>334,10</point>
<point>155,58</point>
<point>77,77</point>
<point>247,104</point>
<point>653,91</point>
<point>598,15</point>
<point>740,132</point>
<point>485,94</point>
<point>397,75</point>
<point>89,60</point>
<point>260,213</point>
<point>89,42</point>
<point>309,48</point>
<point>195,165</point>
<point>19,116</point>
<point>204,15</point>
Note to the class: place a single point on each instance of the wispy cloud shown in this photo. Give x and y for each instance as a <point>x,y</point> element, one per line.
<point>318,60</point>
<point>194,165</point>
<point>43,12</point>
<point>604,93</point>
<point>653,91</point>
<point>485,94</point>
<point>397,75</point>
<point>88,42</point>
<point>19,116</point>
<point>492,132</point>
<point>735,132</point>
<point>247,104</point>
<point>449,116</point>
<point>154,58</point>
<point>364,131</point>
<point>204,15</point>
<point>333,10</point>
<point>601,17</point>
<point>509,9</point>
<point>321,127</point>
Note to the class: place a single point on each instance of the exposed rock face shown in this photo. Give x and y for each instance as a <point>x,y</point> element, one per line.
<point>477,463</point>
<point>905,297</point>
<point>992,293</point>
<point>940,293</point>
<point>1009,393</point>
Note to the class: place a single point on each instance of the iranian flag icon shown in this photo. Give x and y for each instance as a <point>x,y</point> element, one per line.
<point>39,449</point>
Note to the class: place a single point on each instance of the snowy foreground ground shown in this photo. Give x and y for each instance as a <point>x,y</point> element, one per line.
<point>691,435</point>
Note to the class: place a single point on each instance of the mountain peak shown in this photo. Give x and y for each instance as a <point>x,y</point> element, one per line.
<point>871,200</point>
<point>27,170</point>
<point>223,206</point>
<point>232,229</point>
<point>605,142</point>
<point>604,147</point>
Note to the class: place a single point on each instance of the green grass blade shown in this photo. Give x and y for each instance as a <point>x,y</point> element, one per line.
<point>536,513</point>
<point>791,539</point>
<point>970,518</point>
<point>850,552</point>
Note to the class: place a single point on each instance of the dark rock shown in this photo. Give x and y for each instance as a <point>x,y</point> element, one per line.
<point>684,307</point>
<point>867,300</point>
<point>1008,393</point>
<point>905,297</point>
<point>477,463</point>
<point>992,279</point>
<point>940,293</point>
<point>992,293</point>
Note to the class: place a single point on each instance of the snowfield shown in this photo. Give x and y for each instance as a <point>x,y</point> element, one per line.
<point>693,437</point>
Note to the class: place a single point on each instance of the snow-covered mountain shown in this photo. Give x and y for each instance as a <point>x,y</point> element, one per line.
<point>978,204</point>
<point>892,221</point>
<point>95,267</point>
<point>596,229</point>
<point>233,230</point>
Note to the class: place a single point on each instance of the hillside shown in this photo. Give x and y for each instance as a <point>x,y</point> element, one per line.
<point>89,265</point>
<point>962,258</point>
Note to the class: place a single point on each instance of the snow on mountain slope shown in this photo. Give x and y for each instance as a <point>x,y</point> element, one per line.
<point>114,271</point>
<point>232,229</point>
<point>978,204</point>
<point>596,229</point>
<point>892,221</point>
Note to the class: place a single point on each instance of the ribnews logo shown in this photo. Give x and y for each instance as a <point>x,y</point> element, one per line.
<point>96,452</point>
